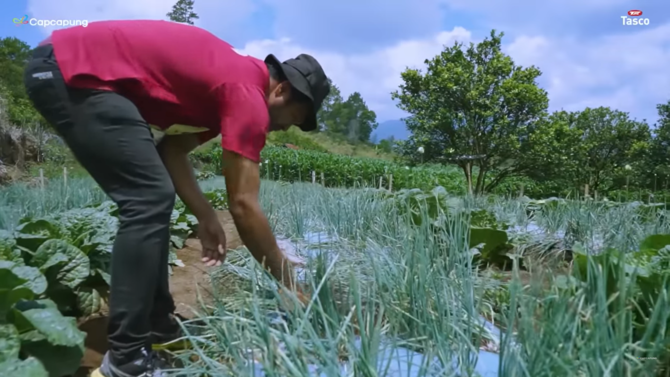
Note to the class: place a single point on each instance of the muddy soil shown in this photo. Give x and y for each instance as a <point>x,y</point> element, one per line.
<point>185,284</point>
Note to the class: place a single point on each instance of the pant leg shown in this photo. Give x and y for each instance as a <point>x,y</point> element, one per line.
<point>114,144</point>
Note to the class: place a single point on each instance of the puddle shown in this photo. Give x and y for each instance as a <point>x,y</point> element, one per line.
<point>392,361</point>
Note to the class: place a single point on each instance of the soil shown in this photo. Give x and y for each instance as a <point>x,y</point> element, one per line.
<point>185,284</point>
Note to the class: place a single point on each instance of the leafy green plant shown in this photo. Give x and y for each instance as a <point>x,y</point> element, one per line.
<point>284,164</point>
<point>487,235</point>
<point>36,339</point>
<point>644,273</point>
<point>72,249</point>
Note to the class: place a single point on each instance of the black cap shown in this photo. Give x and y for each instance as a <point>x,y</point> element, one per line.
<point>306,76</point>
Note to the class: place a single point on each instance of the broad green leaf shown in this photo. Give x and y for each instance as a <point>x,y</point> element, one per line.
<point>10,344</point>
<point>18,283</point>
<point>29,367</point>
<point>47,320</point>
<point>8,279</point>
<point>655,242</point>
<point>69,265</point>
<point>33,279</point>
<point>88,301</point>
<point>32,234</point>
<point>495,244</point>
<point>177,242</point>
<point>105,276</point>
<point>58,360</point>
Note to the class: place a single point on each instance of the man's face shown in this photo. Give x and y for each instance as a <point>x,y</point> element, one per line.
<point>286,111</point>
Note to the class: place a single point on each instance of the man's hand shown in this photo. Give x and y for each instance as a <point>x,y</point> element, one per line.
<point>174,151</point>
<point>213,241</point>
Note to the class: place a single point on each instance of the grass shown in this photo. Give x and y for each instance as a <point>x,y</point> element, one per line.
<point>380,284</point>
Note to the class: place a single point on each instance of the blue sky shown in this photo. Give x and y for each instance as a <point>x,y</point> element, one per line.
<point>588,58</point>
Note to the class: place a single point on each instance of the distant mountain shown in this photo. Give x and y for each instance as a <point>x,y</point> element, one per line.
<point>395,128</point>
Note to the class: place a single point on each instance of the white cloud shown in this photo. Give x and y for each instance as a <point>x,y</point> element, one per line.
<point>355,25</point>
<point>218,16</point>
<point>627,72</point>
<point>375,74</point>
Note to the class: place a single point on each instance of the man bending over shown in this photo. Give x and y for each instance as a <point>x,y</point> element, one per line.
<point>103,88</point>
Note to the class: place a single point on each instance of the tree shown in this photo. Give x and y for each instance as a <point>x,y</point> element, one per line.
<point>657,163</point>
<point>471,107</point>
<point>14,55</point>
<point>325,117</point>
<point>183,12</point>
<point>386,145</point>
<point>358,119</point>
<point>610,140</point>
<point>351,118</point>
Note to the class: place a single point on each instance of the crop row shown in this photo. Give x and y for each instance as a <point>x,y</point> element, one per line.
<point>333,170</point>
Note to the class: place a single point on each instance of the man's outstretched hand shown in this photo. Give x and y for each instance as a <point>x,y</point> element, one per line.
<point>213,241</point>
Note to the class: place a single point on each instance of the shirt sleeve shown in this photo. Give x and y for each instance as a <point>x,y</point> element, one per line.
<point>244,119</point>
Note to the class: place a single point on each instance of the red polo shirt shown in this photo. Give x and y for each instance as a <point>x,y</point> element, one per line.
<point>175,74</point>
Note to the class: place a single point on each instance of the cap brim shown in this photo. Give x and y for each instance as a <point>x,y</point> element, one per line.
<point>300,84</point>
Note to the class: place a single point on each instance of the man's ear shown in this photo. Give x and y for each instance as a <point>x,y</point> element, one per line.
<point>284,87</point>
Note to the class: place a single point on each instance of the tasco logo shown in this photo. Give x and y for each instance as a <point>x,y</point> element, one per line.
<point>20,21</point>
<point>633,18</point>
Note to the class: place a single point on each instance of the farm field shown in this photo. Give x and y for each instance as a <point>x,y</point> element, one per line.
<point>402,282</point>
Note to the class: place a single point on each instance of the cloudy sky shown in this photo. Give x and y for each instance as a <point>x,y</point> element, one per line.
<point>588,58</point>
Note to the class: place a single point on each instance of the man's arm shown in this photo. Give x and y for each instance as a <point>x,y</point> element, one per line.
<point>243,184</point>
<point>174,150</point>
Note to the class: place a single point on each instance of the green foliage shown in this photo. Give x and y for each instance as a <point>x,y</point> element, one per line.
<point>35,337</point>
<point>73,248</point>
<point>351,118</point>
<point>387,145</point>
<point>14,54</point>
<point>472,107</point>
<point>643,275</point>
<point>183,12</point>
<point>487,236</point>
<point>296,137</point>
<point>343,171</point>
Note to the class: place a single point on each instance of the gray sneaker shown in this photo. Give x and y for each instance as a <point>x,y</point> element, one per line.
<point>148,365</point>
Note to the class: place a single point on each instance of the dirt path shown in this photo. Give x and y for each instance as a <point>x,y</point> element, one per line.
<point>185,284</point>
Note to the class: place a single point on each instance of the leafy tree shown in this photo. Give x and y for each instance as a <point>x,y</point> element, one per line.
<point>325,117</point>
<point>351,118</point>
<point>14,55</point>
<point>658,161</point>
<point>359,121</point>
<point>183,12</point>
<point>386,145</point>
<point>547,155</point>
<point>610,140</point>
<point>472,107</point>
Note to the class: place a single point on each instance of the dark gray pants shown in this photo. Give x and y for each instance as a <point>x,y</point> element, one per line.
<point>112,141</point>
